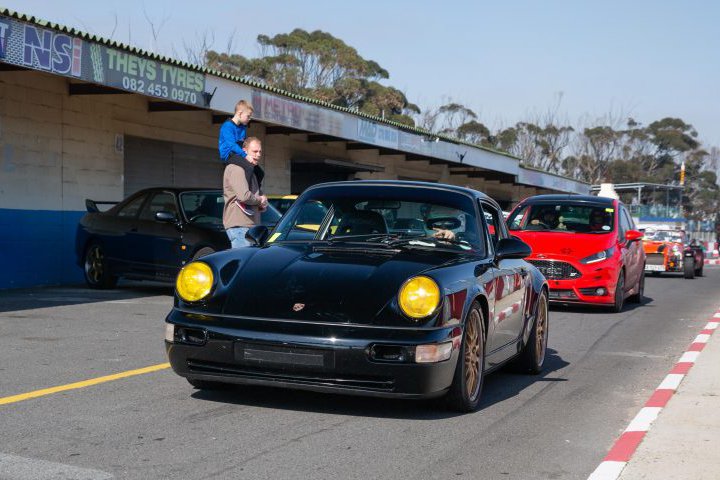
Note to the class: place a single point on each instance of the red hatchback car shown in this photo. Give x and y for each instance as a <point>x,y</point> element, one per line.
<point>587,247</point>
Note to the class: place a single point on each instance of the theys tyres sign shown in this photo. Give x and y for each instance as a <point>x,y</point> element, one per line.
<point>38,48</point>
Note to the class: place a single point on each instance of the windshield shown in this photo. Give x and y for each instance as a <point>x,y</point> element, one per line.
<point>664,236</point>
<point>563,217</point>
<point>206,208</point>
<point>393,216</point>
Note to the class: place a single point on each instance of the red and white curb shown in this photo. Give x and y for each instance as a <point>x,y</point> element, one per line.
<point>711,261</point>
<point>625,446</point>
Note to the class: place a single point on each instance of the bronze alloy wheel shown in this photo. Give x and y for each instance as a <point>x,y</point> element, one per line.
<point>94,264</point>
<point>97,273</point>
<point>465,391</point>
<point>473,355</point>
<point>541,330</point>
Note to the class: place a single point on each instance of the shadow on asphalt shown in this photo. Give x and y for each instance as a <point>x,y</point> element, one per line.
<point>44,297</point>
<point>498,386</point>
<point>597,310</point>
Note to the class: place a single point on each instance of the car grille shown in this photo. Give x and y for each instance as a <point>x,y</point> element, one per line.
<point>554,270</point>
<point>655,259</point>
<point>562,295</point>
<point>307,378</point>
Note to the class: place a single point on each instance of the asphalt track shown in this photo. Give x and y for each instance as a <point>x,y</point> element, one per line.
<point>75,402</point>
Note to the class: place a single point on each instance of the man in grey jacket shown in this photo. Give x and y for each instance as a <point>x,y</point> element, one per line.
<point>242,189</point>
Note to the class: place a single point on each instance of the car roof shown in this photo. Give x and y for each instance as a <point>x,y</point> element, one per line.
<point>554,198</point>
<point>409,183</point>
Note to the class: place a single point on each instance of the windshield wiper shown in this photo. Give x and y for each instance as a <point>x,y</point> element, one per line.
<point>430,242</point>
<point>367,238</point>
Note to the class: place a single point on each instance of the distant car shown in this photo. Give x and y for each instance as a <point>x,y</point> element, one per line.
<point>668,251</point>
<point>152,234</point>
<point>281,202</point>
<point>587,247</point>
<point>356,306</point>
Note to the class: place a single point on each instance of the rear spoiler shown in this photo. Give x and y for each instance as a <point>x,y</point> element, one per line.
<point>92,205</point>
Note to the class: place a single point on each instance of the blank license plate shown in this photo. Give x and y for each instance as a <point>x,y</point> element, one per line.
<point>655,268</point>
<point>281,355</point>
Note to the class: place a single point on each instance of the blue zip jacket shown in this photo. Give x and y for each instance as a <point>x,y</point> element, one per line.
<point>231,139</point>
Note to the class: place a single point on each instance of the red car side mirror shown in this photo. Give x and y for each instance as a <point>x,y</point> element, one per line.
<point>632,235</point>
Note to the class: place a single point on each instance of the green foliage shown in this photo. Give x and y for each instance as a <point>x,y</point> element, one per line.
<point>319,65</point>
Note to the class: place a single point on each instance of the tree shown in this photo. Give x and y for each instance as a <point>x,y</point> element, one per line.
<point>319,65</point>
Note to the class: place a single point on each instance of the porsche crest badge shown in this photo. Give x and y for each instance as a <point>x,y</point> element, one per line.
<point>298,306</point>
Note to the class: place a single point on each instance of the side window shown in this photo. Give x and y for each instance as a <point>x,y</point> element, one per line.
<point>631,224</point>
<point>160,202</point>
<point>130,210</point>
<point>624,224</point>
<point>495,224</point>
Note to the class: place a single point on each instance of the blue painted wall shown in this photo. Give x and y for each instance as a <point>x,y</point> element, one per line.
<point>37,247</point>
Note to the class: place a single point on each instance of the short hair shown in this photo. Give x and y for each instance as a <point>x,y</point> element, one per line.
<point>249,140</point>
<point>243,105</point>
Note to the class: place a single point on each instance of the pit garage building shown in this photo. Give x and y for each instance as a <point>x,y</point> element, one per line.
<point>84,117</point>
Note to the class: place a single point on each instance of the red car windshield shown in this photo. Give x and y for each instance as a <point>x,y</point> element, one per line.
<point>563,217</point>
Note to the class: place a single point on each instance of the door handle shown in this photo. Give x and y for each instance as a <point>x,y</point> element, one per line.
<point>133,230</point>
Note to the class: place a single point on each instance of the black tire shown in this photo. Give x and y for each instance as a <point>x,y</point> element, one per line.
<point>465,391</point>
<point>699,270</point>
<point>205,384</point>
<point>619,293</point>
<point>202,252</point>
<point>689,269</point>
<point>532,357</point>
<point>638,297</point>
<point>96,270</point>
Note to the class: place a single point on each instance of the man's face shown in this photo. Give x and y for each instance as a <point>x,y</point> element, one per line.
<point>254,152</point>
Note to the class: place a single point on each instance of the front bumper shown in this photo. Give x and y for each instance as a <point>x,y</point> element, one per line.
<point>311,356</point>
<point>584,289</point>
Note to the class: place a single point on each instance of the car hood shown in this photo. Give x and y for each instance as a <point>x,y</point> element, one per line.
<point>324,284</point>
<point>566,245</point>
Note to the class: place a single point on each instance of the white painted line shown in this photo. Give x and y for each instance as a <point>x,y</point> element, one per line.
<point>671,381</point>
<point>712,325</point>
<point>642,421</point>
<point>21,468</point>
<point>689,357</point>
<point>607,471</point>
<point>702,338</point>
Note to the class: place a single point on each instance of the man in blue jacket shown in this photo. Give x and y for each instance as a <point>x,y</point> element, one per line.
<point>233,133</point>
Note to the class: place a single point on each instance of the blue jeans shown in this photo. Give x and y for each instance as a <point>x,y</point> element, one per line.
<point>237,237</point>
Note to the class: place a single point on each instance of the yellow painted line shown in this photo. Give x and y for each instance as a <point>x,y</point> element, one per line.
<point>83,384</point>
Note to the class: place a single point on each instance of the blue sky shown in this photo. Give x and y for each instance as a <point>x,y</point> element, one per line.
<point>508,61</point>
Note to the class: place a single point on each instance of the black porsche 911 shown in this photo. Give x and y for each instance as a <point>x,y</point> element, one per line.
<point>152,234</point>
<point>352,305</point>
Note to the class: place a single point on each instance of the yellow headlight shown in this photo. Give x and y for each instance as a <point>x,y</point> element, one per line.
<point>194,281</point>
<point>419,297</point>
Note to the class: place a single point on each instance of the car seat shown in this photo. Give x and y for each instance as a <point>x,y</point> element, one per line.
<point>361,222</point>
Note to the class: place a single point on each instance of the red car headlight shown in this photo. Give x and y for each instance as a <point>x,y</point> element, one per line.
<point>599,257</point>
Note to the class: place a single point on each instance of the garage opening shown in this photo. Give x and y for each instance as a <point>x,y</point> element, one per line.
<point>155,163</point>
<point>308,171</point>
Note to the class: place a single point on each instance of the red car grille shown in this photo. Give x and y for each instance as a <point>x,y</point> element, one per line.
<point>556,270</point>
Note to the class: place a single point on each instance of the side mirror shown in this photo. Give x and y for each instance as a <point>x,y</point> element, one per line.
<point>511,248</point>
<point>633,235</point>
<point>257,235</point>
<point>163,216</point>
